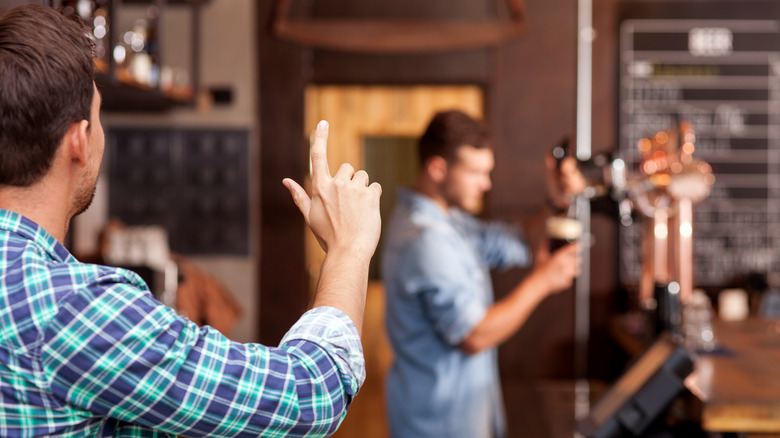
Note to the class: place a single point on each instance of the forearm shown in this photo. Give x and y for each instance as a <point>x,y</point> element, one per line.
<point>505,317</point>
<point>343,283</point>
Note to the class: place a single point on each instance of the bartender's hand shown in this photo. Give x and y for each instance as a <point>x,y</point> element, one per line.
<point>564,181</point>
<point>343,211</point>
<point>558,270</point>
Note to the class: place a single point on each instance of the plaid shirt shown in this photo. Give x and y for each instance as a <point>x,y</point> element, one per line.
<point>85,350</point>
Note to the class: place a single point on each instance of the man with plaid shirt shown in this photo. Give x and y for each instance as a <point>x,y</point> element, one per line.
<point>85,350</point>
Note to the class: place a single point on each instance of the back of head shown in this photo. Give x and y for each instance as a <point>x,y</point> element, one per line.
<point>449,130</point>
<point>46,84</point>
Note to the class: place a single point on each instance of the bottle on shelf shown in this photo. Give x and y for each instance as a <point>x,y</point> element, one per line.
<point>131,71</point>
<point>94,14</point>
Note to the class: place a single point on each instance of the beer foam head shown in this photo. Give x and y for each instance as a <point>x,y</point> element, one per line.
<point>564,228</point>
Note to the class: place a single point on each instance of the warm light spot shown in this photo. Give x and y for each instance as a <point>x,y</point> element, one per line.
<point>661,137</point>
<point>686,229</point>
<point>119,54</point>
<point>661,231</point>
<point>661,179</point>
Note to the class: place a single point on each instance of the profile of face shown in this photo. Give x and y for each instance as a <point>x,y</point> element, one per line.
<point>468,178</point>
<point>96,141</point>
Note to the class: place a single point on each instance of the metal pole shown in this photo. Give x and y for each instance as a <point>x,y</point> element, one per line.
<point>585,36</point>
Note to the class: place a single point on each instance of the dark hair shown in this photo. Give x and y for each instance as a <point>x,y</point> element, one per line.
<point>46,84</point>
<point>449,130</point>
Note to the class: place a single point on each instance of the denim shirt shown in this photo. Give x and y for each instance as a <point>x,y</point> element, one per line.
<point>436,272</point>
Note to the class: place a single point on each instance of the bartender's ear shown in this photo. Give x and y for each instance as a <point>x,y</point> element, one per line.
<point>436,167</point>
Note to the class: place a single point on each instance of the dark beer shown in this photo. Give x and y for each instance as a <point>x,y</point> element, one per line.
<point>562,231</point>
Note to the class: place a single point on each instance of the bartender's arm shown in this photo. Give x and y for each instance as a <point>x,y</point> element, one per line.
<point>552,273</point>
<point>506,316</point>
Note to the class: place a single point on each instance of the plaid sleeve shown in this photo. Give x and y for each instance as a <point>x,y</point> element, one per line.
<point>114,351</point>
<point>334,332</point>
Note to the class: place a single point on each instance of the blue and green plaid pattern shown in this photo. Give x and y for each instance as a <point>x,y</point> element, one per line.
<point>85,350</point>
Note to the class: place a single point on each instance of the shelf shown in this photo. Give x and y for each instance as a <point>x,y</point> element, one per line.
<point>122,91</point>
<point>128,96</point>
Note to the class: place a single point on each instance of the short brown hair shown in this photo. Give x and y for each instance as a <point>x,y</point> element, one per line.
<point>47,71</point>
<point>449,130</point>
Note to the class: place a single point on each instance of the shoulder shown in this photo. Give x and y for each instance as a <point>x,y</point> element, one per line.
<point>88,288</point>
<point>39,275</point>
<point>422,235</point>
<point>108,300</point>
<point>47,296</point>
<point>473,224</point>
<point>96,276</point>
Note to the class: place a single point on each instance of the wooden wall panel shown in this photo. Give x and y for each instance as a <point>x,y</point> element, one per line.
<point>283,153</point>
<point>466,67</point>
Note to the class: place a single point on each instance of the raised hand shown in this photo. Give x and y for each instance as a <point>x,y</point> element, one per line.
<point>343,213</point>
<point>344,209</point>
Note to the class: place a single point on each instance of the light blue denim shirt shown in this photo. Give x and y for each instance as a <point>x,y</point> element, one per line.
<point>436,271</point>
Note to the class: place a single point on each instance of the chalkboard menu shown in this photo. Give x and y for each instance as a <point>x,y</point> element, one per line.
<point>193,182</point>
<point>716,65</point>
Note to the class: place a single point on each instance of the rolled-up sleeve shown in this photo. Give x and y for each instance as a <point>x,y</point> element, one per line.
<point>334,332</point>
<point>451,292</point>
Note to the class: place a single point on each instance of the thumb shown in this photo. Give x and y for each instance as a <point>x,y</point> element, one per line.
<point>301,199</point>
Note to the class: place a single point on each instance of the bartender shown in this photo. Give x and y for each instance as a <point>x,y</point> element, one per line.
<point>441,317</point>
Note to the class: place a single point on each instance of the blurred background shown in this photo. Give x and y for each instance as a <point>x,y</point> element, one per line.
<point>207,106</point>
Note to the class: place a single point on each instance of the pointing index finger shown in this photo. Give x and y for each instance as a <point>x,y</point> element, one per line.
<point>319,151</point>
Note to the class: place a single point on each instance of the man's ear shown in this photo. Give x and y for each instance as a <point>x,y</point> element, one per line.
<point>76,142</point>
<point>436,167</point>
